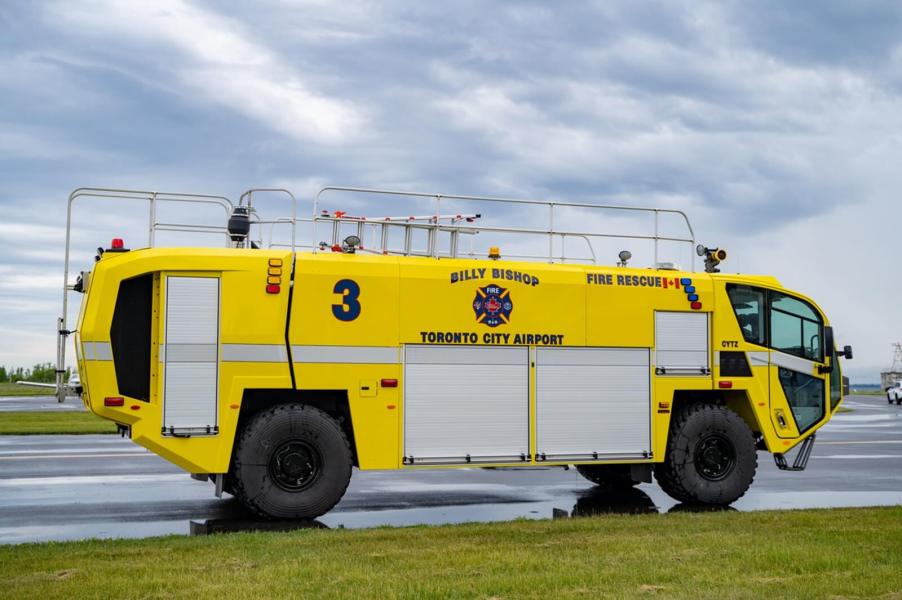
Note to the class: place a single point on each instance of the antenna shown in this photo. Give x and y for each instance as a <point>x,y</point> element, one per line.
<point>897,357</point>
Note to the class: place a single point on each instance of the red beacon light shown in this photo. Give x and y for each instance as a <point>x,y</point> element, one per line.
<point>117,245</point>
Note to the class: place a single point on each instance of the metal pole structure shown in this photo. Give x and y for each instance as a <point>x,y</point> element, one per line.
<point>551,232</point>
<point>656,238</point>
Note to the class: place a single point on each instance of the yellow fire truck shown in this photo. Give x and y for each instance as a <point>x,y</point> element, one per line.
<point>274,371</point>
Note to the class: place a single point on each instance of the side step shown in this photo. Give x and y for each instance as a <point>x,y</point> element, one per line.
<point>801,460</point>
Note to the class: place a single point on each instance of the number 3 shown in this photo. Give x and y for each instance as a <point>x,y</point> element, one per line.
<point>349,309</point>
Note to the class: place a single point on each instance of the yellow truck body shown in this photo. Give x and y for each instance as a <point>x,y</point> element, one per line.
<point>427,362</point>
<point>276,371</point>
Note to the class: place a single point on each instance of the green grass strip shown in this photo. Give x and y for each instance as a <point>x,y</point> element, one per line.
<point>52,422</point>
<point>849,553</point>
<point>15,389</point>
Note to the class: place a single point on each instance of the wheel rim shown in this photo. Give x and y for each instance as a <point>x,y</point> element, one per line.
<point>295,465</point>
<point>715,456</point>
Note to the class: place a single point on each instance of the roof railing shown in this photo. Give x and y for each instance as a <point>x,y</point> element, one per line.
<point>435,224</point>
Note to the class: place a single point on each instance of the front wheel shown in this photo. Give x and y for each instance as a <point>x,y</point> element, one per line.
<point>291,461</point>
<point>711,456</point>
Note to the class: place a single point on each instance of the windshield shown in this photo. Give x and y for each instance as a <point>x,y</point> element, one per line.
<point>795,327</point>
<point>779,321</point>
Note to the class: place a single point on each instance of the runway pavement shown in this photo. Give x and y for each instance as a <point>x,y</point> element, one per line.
<point>73,487</point>
<point>39,404</point>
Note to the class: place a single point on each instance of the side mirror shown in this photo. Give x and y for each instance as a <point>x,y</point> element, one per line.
<point>846,352</point>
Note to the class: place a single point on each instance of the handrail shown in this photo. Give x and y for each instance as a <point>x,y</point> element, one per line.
<point>294,205</point>
<point>152,197</point>
<point>550,231</point>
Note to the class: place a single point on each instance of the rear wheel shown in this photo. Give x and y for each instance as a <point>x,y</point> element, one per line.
<point>711,456</point>
<point>609,476</point>
<point>291,462</point>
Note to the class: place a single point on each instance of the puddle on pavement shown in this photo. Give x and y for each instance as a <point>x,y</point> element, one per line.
<point>594,502</point>
<point>590,503</point>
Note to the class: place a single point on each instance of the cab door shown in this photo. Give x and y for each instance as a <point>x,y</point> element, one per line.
<point>797,373</point>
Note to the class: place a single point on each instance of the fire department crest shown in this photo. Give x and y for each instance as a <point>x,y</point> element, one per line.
<point>493,305</point>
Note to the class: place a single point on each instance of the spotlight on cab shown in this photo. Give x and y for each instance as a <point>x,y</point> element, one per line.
<point>624,256</point>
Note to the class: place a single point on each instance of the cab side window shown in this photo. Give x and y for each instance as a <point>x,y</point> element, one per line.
<point>749,305</point>
<point>795,327</point>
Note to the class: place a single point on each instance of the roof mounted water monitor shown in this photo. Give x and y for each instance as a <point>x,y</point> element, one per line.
<point>713,257</point>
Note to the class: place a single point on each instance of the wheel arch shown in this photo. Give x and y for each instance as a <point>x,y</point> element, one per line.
<point>736,400</point>
<point>332,402</point>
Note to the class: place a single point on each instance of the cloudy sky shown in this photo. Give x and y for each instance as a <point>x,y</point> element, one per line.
<point>777,126</point>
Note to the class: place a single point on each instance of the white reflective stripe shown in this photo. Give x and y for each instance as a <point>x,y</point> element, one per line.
<point>793,363</point>
<point>758,358</point>
<point>345,354</point>
<point>98,351</point>
<point>191,353</point>
<point>273,353</point>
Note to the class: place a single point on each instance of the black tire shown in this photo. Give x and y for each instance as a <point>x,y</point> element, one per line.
<point>711,457</point>
<point>608,476</point>
<point>291,462</point>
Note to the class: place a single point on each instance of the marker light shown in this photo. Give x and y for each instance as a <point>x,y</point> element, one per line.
<point>117,244</point>
<point>695,305</point>
<point>389,383</point>
<point>114,401</point>
<point>725,385</point>
<point>273,289</point>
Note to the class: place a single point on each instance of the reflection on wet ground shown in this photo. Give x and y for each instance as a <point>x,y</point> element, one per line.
<point>591,503</point>
<point>74,487</point>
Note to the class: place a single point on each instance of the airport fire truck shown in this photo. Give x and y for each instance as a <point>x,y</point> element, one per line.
<point>273,369</point>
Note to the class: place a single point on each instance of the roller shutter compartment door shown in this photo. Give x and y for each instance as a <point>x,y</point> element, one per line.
<point>592,403</point>
<point>191,356</point>
<point>466,404</point>
<point>682,343</point>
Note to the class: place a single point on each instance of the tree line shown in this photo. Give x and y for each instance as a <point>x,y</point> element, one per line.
<point>42,373</point>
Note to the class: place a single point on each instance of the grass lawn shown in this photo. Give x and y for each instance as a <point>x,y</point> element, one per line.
<point>27,423</point>
<point>14,389</point>
<point>777,554</point>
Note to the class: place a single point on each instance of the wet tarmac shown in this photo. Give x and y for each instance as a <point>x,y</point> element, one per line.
<point>39,404</point>
<point>74,487</point>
